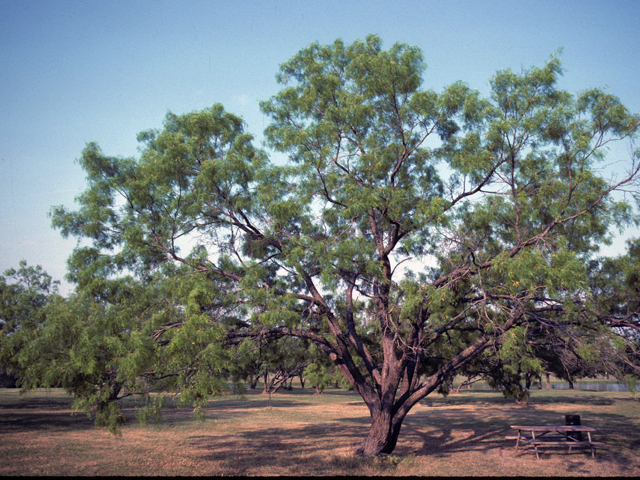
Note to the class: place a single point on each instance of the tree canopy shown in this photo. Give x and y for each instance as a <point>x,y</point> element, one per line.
<point>411,235</point>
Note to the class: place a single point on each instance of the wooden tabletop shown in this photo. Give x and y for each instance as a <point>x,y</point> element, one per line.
<point>559,428</point>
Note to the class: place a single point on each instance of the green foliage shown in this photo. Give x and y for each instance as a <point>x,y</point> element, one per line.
<point>24,294</point>
<point>152,409</point>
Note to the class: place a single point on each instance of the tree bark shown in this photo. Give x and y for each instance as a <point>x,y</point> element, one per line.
<point>254,382</point>
<point>383,434</point>
<point>379,440</point>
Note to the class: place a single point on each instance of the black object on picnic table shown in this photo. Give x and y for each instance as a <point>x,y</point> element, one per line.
<point>573,420</point>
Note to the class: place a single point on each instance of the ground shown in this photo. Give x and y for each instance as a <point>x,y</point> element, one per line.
<point>300,433</point>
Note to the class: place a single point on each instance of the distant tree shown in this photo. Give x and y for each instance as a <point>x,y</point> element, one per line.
<point>275,361</point>
<point>504,196</point>
<point>281,361</point>
<point>247,364</point>
<point>113,337</point>
<point>571,349</point>
<point>75,343</point>
<point>615,283</point>
<point>322,373</point>
<point>23,296</point>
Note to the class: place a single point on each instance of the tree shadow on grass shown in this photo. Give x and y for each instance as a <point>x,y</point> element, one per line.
<point>578,400</point>
<point>492,398</point>
<point>250,451</point>
<point>302,449</point>
<point>255,403</point>
<point>44,421</point>
<point>220,410</point>
<point>40,411</point>
<point>54,412</point>
<point>440,433</point>
<point>452,425</point>
<point>25,402</point>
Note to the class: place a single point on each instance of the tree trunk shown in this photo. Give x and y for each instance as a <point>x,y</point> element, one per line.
<point>383,434</point>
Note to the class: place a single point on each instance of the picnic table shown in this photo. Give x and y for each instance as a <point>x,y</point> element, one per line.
<point>565,435</point>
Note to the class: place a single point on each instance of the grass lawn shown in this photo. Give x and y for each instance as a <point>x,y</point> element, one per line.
<point>300,433</point>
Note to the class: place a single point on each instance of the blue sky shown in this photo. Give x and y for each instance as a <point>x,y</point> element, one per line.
<point>72,72</point>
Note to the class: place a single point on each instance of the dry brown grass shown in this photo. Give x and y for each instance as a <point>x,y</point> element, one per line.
<point>305,434</point>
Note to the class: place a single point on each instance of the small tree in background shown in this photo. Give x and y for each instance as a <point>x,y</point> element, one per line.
<point>24,293</point>
<point>322,373</point>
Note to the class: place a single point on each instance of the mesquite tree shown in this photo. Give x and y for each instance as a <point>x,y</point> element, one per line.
<point>409,232</point>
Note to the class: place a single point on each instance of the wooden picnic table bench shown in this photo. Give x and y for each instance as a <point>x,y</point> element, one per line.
<point>554,435</point>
